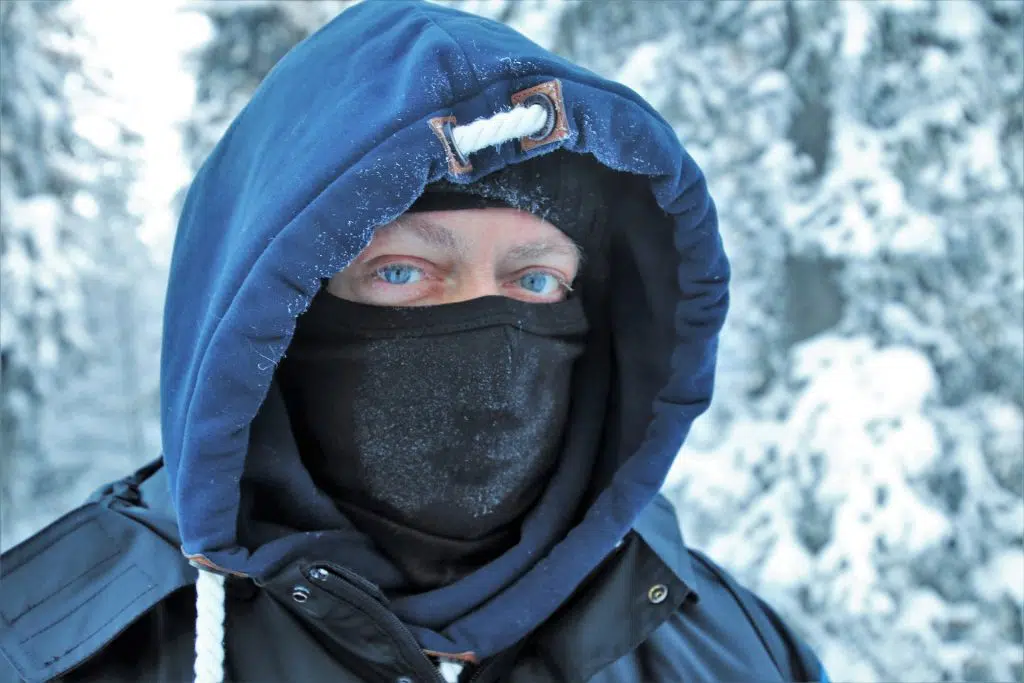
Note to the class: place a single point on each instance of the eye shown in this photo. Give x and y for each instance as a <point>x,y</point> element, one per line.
<point>539,282</point>
<point>399,274</point>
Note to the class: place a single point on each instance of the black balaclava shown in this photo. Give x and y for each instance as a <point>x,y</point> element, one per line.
<point>435,429</point>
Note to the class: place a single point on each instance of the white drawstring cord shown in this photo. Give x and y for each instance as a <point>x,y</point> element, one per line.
<point>450,671</point>
<point>209,666</point>
<point>516,123</point>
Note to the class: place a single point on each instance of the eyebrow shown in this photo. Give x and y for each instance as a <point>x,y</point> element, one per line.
<point>440,237</point>
<point>434,234</point>
<point>533,250</point>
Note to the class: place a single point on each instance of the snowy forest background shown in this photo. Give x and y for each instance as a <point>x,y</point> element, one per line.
<point>863,464</point>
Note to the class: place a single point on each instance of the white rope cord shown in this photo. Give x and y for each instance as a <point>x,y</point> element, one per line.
<point>450,671</point>
<point>503,126</point>
<point>209,667</point>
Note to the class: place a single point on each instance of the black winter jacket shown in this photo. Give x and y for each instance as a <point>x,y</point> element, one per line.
<point>104,595</point>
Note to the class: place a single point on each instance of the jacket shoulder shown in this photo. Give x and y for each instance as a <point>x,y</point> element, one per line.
<point>75,586</point>
<point>791,656</point>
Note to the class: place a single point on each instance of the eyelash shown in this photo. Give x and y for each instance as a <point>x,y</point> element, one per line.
<point>378,280</point>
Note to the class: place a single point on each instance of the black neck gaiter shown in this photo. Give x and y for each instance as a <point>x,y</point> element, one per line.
<point>435,428</point>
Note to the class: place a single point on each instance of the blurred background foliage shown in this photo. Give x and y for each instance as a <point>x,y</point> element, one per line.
<point>863,464</point>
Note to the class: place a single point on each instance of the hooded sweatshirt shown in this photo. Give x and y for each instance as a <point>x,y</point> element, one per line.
<point>341,138</point>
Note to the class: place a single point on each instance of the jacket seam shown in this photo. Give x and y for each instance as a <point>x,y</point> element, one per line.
<point>12,619</point>
<point>90,599</point>
<point>49,664</point>
<point>465,58</point>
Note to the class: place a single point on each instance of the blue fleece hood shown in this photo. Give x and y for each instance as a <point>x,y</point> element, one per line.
<point>336,142</point>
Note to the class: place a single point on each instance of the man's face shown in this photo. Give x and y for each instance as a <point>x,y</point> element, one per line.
<point>441,257</point>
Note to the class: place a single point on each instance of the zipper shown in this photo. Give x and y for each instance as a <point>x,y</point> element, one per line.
<point>408,647</point>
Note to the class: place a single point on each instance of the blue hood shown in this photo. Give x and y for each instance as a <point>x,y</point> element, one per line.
<point>337,141</point>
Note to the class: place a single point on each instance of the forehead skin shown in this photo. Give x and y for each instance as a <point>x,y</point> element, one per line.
<point>468,233</point>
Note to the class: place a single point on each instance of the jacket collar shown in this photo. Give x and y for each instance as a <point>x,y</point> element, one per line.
<point>641,584</point>
<point>654,554</point>
<point>658,526</point>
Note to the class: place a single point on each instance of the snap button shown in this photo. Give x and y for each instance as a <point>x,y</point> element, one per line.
<point>318,574</point>
<point>657,593</point>
<point>300,594</point>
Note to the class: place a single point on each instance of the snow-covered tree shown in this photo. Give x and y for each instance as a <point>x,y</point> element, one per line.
<point>874,490</point>
<point>247,40</point>
<point>42,253</point>
<point>68,241</point>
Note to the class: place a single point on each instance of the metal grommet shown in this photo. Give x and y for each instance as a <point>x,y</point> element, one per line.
<point>549,106</point>
<point>448,130</point>
<point>318,574</point>
<point>300,594</point>
<point>404,679</point>
<point>657,593</point>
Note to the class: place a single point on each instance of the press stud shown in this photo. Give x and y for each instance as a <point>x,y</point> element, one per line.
<point>657,593</point>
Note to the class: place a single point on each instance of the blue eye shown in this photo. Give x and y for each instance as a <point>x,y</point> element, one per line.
<point>399,274</point>
<point>540,282</point>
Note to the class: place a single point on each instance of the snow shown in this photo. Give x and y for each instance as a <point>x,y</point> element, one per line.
<point>959,20</point>
<point>770,82</point>
<point>1005,574</point>
<point>917,235</point>
<point>857,32</point>
<point>78,282</point>
<point>157,94</point>
<point>639,70</point>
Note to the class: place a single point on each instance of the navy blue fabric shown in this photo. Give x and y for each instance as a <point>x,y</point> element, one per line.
<point>336,142</point>
<point>71,588</point>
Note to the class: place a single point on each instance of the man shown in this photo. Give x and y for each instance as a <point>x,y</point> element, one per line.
<point>438,323</point>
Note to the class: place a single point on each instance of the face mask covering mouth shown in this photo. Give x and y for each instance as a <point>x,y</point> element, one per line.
<point>441,421</point>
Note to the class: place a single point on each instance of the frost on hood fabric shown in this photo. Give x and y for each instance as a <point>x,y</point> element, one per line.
<point>336,142</point>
